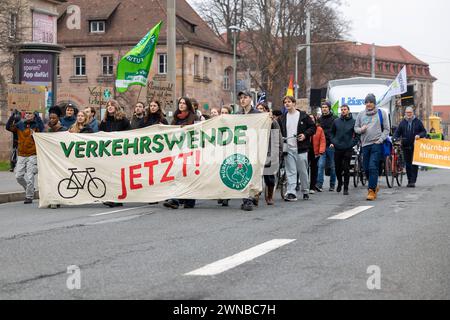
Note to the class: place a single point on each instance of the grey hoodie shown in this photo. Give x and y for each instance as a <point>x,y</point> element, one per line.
<point>373,135</point>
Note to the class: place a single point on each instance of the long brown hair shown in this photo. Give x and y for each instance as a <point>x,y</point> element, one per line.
<point>159,113</point>
<point>118,114</point>
<point>76,127</point>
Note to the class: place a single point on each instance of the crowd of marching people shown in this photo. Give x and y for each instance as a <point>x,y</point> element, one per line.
<point>309,144</point>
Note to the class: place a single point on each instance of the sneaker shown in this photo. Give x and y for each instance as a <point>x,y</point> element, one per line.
<point>319,189</point>
<point>312,191</point>
<point>305,197</point>
<point>339,189</point>
<point>219,201</point>
<point>411,185</point>
<point>225,203</point>
<point>291,198</point>
<point>247,206</point>
<point>346,193</point>
<point>171,204</point>
<point>28,201</point>
<point>331,189</point>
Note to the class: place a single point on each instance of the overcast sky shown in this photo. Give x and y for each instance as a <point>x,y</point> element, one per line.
<point>421,27</point>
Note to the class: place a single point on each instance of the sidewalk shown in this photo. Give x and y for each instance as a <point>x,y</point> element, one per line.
<point>10,190</point>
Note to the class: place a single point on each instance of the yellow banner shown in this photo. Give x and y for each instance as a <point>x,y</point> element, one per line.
<point>432,153</point>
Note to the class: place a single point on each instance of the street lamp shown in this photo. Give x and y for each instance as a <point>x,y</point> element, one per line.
<point>234,31</point>
<point>308,61</point>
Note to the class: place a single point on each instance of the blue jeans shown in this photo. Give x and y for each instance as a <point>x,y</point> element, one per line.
<point>328,157</point>
<point>372,155</point>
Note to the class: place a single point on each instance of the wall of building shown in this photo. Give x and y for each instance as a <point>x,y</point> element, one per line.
<point>208,92</point>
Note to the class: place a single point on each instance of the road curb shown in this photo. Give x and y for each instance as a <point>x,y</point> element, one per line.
<point>15,196</point>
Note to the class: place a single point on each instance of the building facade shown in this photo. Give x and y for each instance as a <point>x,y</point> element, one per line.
<point>96,34</point>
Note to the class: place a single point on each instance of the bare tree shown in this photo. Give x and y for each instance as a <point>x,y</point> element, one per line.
<point>12,32</point>
<point>272,30</point>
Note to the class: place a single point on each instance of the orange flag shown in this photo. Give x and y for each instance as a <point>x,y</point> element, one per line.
<point>290,90</point>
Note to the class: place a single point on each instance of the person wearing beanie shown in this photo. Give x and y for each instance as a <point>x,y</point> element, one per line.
<point>373,134</point>
<point>326,122</point>
<point>70,116</point>
<point>410,130</point>
<point>54,124</point>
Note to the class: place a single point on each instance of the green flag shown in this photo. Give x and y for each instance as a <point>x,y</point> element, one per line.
<point>134,67</point>
<point>335,108</point>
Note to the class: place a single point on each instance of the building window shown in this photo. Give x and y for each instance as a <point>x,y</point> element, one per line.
<point>380,66</point>
<point>388,67</point>
<point>58,67</point>
<point>196,70</point>
<point>226,79</point>
<point>107,65</point>
<point>97,26</point>
<point>80,66</point>
<point>162,63</point>
<point>205,67</point>
<point>13,25</point>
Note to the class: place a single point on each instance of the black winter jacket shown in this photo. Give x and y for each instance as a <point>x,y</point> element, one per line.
<point>409,136</point>
<point>113,125</point>
<point>326,122</point>
<point>343,135</point>
<point>305,126</point>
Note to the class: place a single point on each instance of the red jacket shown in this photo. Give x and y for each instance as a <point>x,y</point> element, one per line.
<point>319,142</point>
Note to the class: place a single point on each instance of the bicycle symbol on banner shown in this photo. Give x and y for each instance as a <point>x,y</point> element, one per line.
<point>68,188</point>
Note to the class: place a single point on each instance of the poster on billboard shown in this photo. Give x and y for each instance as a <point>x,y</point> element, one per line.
<point>44,28</point>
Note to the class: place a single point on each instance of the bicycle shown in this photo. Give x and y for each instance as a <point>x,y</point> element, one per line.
<point>394,166</point>
<point>359,175</point>
<point>68,188</point>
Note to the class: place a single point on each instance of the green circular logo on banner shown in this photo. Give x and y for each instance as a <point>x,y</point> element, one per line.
<point>236,172</point>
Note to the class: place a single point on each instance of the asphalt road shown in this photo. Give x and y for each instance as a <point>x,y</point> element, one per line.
<point>146,252</point>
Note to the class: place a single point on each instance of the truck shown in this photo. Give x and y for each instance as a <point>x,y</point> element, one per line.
<point>353,92</point>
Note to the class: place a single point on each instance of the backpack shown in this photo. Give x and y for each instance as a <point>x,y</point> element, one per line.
<point>387,144</point>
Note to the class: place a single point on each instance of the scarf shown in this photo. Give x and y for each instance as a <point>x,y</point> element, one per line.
<point>183,115</point>
<point>371,113</point>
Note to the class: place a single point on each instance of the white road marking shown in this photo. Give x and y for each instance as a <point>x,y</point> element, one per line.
<point>116,211</point>
<point>350,213</point>
<point>115,220</point>
<point>231,262</point>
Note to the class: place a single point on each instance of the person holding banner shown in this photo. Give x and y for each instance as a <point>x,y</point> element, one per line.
<point>114,119</point>
<point>410,130</point>
<point>93,122</point>
<point>54,125</point>
<point>82,124</point>
<point>69,118</point>
<point>373,134</point>
<point>185,115</point>
<point>26,167</point>
<point>246,103</point>
<point>154,115</point>
<point>138,117</point>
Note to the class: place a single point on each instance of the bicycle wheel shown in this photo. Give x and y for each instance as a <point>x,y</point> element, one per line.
<point>67,189</point>
<point>97,188</point>
<point>356,172</point>
<point>388,172</point>
<point>400,170</point>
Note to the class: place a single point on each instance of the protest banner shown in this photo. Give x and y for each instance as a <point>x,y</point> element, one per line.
<point>161,91</point>
<point>432,153</point>
<point>222,158</point>
<point>26,97</point>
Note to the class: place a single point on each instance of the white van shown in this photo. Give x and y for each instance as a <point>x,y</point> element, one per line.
<point>353,92</point>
